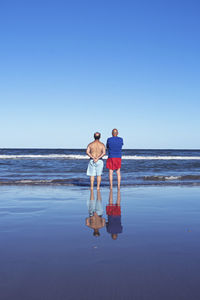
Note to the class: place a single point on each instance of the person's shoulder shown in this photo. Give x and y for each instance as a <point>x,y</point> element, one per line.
<point>90,144</point>
<point>120,140</point>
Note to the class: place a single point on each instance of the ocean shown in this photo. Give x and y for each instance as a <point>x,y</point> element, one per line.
<point>68,167</point>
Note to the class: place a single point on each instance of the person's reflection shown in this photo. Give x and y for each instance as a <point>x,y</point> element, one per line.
<point>113,211</point>
<point>95,220</point>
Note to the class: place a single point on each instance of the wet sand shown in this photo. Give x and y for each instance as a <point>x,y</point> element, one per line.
<point>47,251</point>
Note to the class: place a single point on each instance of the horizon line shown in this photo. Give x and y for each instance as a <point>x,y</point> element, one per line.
<point>54,148</point>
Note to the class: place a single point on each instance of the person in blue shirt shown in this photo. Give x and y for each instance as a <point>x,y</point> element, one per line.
<point>114,145</point>
<point>113,225</point>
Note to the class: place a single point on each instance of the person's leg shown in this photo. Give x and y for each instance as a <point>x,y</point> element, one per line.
<point>118,178</point>
<point>91,173</point>
<point>98,182</point>
<point>118,197</point>
<point>111,178</point>
<point>111,197</point>
<point>91,182</point>
<point>91,195</point>
<point>99,171</point>
<point>98,195</point>
<point>91,203</point>
<point>99,207</point>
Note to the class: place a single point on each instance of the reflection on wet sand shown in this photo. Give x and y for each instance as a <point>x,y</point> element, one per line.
<point>95,209</point>
<point>113,225</point>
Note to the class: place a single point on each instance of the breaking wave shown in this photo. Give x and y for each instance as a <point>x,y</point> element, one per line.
<point>78,156</point>
<point>166,178</point>
<point>142,180</point>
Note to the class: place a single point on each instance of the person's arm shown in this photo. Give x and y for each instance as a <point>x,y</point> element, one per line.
<point>88,152</point>
<point>87,222</point>
<point>107,146</point>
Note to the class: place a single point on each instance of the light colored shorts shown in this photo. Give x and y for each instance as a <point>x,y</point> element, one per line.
<point>95,169</point>
<point>95,206</point>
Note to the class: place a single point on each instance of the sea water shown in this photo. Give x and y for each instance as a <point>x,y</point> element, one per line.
<point>68,167</point>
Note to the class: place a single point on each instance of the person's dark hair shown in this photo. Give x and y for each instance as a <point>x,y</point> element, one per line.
<point>97,135</point>
<point>96,232</point>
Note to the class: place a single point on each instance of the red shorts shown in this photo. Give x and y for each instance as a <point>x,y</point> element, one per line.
<point>113,210</point>
<point>113,163</point>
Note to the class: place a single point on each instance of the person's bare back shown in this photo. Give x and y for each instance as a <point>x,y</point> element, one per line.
<point>95,221</point>
<point>95,150</point>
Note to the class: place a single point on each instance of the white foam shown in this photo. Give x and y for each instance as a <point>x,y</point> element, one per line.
<point>45,156</point>
<point>172,177</point>
<point>77,156</point>
<point>31,181</point>
<point>135,157</point>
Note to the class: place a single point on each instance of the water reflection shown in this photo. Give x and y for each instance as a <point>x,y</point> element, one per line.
<point>95,209</point>
<point>113,225</point>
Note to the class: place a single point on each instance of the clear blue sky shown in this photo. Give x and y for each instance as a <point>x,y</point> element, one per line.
<point>69,68</point>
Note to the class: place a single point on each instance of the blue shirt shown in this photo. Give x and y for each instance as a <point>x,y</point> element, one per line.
<point>114,145</point>
<point>114,224</point>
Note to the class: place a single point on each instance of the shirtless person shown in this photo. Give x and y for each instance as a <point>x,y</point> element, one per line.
<point>95,150</point>
<point>95,220</point>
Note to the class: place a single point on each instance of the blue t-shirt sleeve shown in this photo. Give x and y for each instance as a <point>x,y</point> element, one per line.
<point>122,142</point>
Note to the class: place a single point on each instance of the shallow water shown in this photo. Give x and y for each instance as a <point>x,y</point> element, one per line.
<point>47,251</point>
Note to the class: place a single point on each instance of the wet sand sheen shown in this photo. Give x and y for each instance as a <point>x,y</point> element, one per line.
<point>47,251</point>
